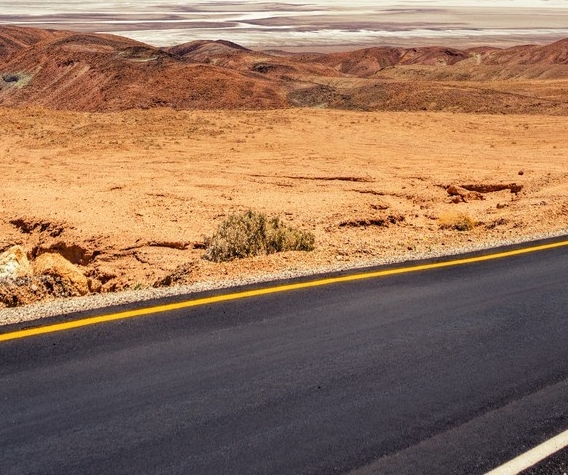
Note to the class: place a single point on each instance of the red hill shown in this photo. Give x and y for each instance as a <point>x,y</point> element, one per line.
<point>105,72</point>
<point>552,54</point>
<point>90,72</point>
<point>14,39</point>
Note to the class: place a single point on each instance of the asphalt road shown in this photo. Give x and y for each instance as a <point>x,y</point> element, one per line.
<point>557,464</point>
<point>453,370</point>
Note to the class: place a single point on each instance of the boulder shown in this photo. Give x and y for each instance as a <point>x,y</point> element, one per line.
<point>14,263</point>
<point>55,265</point>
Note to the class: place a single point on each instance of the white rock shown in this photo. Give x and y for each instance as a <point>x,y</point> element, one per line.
<point>14,263</point>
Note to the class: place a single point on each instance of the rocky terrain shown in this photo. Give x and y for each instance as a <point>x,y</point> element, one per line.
<point>101,73</point>
<point>97,202</point>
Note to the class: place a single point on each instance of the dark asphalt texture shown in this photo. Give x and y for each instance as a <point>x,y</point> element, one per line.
<point>454,370</point>
<point>556,464</point>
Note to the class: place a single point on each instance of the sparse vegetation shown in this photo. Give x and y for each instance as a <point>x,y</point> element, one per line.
<point>457,221</point>
<point>253,234</point>
<point>138,286</point>
<point>10,77</point>
<point>17,80</point>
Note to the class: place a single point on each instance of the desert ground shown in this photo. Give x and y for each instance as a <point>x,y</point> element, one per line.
<point>119,159</point>
<point>129,196</point>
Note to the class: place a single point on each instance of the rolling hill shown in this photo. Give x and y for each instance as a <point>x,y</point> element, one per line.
<point>93,72</point>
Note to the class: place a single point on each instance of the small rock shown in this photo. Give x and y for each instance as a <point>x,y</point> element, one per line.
<point>14,263</point>
<point>183,274</point>
<point>457,199</point>
<point>521,172</point>
<point>380,206</point>
<point>465,195</point>
<point>55,265</point>
<point>95,286</point>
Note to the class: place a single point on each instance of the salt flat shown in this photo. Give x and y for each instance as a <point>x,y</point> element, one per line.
<point>319,24</point>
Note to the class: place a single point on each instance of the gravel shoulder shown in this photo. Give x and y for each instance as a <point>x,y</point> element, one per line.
<point>101,301</point>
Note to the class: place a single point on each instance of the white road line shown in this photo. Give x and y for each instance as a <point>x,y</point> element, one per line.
<point>532,457</point>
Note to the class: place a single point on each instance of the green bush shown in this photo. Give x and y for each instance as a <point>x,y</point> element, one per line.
<point>253,234</point>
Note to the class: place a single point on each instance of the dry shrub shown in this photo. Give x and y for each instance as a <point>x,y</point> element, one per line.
<point>457,221</point>
<point>253,234</point>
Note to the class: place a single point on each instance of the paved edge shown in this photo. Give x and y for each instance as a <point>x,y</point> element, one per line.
<point>72,321</point>
<point>472,434</point>
<point>533,456</point>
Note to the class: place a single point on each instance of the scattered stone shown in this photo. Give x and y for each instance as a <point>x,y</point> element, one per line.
<point>180,276</point>
<point>370,192</point>
<point>366,222</point>
<point>457,199</point>
<point>95,286</point>
<point>380,206</point>
<point>476,191</point>
<point>57,266</point>
<point>14,263</point>
<point>179,245</point>
<point>103,274</point>
<point>521,172</point>
<point>28,290</point>
<point>356,179</point>
<point>461,194</point>
<point>495,223</point>
<point>21,291</point>
<point>492,188</point>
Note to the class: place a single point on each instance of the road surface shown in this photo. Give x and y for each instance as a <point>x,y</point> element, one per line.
<point>451,370</point>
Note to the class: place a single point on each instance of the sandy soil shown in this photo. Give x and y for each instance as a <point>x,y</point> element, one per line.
<point>130,196</point>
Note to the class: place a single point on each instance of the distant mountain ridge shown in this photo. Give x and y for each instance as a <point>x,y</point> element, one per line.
<point>93,72</point>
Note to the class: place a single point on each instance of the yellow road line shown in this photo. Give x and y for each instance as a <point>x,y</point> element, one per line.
<point>266,291</point>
